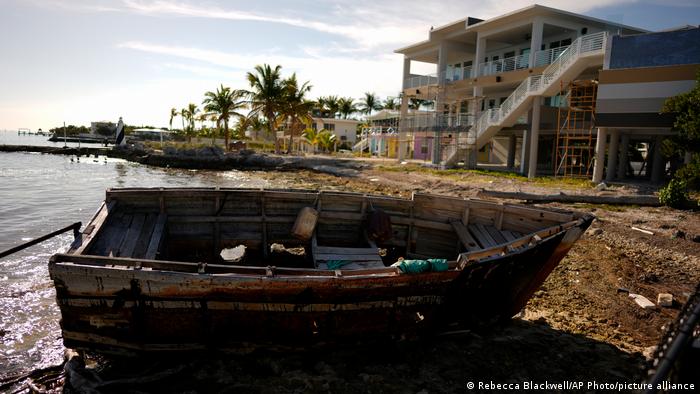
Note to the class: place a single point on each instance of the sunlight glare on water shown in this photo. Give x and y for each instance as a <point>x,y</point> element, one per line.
<point>39,194</point>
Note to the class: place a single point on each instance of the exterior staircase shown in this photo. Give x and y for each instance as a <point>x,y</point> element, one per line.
<point>585,52</point>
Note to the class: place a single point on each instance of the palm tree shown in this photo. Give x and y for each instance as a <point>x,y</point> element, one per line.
<point>183,116</point>
<point>295,109</point>
<point>390,103</point>
<point>326,140</point>
<point>311,136</point>
<point>173,114</point>
<point>224,103</point>
<point>192,111</point>
<point>330,104</point>
<point>347,106</point>
<point>265,94</point>
<point>369,103</point>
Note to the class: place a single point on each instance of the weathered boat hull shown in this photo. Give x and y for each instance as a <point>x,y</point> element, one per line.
<point>118,304</point>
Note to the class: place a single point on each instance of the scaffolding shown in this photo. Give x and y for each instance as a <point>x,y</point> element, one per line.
<point>576,139</point>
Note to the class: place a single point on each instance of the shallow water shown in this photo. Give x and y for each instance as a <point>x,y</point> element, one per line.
<point>38,194</point>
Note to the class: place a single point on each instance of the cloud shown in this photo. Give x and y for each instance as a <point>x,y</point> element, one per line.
<point>347,76</point>
<point>368,24</point>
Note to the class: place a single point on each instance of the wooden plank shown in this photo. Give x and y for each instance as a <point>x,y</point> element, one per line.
<point>339,250</point>
<point>348,257</point>
<point>93,228</point>
<point>356,265</point>
<point>508,235</point>
<point>114,238</point>
<point>156,237</point>
<point>648,200</point>
<point>481,235</point>
<point>495,234</point>
<point>465,238</point>
<point>132,236</point>
<point>145,236</point>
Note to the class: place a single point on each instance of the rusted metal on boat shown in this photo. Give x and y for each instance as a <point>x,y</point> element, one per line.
<point>146,274</point>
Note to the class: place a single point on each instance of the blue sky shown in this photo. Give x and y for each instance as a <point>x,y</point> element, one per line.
<point>77,61</point>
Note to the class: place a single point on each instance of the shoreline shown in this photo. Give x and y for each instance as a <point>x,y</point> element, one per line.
<point>207,159</point>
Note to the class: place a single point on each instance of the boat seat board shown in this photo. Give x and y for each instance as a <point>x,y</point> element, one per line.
<point>358,258</point>
<point>465,238</point>
<point>481,234</point>
<point>156,237</point>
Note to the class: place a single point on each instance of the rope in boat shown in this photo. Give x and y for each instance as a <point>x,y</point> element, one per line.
<point>76,233</point>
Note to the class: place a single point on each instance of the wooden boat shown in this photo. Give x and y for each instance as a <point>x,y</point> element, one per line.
<point>146,273</point>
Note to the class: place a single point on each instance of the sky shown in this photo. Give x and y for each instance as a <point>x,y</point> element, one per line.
<point>80,61</point>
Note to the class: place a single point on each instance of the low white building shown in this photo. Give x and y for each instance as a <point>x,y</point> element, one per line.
<point>345,130</point>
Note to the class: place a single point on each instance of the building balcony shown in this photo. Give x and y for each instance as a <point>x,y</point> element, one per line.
<point>457,74</point>
<point>417,81</point>
<point>519,62</point>
<point>431,121</point>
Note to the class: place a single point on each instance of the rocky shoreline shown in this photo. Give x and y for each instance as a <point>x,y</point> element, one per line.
<point>205,158</point>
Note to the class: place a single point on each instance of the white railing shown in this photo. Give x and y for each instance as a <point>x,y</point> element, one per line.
<point>504,65</point>
<point>457,74</point>
<point>543,58</point>
<point>420,80</point>
<point>535,84</point>
<point>432,120</point>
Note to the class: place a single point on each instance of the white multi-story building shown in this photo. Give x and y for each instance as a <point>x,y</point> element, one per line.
<point>498,87</point>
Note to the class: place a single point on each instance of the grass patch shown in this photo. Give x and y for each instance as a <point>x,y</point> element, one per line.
<point>461,173</point>
<point>606,207</point>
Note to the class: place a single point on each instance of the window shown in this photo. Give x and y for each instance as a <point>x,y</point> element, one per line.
<point>329,126</point>
<point>554,44</point>
<point>314,126</point>
<point>503,99</point>
<point>566,42</point>
<point>492,103</point>
<point>343,138</point>
<point>524,58</point>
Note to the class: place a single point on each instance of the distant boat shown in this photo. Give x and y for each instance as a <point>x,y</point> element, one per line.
<point>147,275</point>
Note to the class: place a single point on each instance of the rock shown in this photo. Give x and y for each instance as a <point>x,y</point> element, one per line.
<point>594,231</point>
<point>678,234</point>
<point>601,186</point>
<point>648,352</point>
<point>696,238</point>
<point>665,300</point>
<point>642,301</point>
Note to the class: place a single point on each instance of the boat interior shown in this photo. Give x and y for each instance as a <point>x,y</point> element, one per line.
<point>254,227</point>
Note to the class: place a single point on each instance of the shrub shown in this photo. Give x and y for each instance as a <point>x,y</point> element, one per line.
<point>675,194</point>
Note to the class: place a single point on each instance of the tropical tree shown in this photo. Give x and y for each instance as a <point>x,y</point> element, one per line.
<point>295,109</point>
<point>183,116</point>
<point>326,140</point>
<point>685,142</point>
<point>224,103</point>
<point>265,96</point>
<point>346,106</point>
<point>416,103</point>
<point>311,136</point>
<point>391,103</point>
<point>369,103</point>
<point>173,114</point>
<point>330,104</point>
<point>192,112</point>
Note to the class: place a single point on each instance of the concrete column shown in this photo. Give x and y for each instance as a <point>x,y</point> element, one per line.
<point>406,70</point>
<point>536,39</point>
<point>525,152</point>
<point>612,155</point>
<point>659,162</point>
<point>403,129</point>
<point>478,54</point>
<point>511,151</point>
<point>623,162</point>
<point>534,137</point>
<point>600,155</point>
<point>442,62</point>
